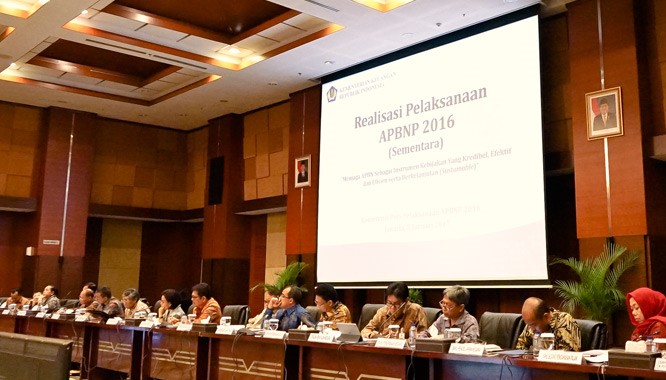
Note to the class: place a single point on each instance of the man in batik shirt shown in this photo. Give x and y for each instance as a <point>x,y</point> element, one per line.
<point>539,317</point>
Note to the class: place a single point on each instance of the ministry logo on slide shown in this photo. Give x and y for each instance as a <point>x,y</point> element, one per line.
<point>332,94</point>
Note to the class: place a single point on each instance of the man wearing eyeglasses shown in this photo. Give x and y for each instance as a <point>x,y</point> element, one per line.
<point>205,306</point>
<point>454,315</point>
<point>398,311</point>
<point>288,309</point>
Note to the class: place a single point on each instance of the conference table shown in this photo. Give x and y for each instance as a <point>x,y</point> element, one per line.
<point>161,353</point>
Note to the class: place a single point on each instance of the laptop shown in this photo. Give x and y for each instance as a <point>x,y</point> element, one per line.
<point>349,332</point>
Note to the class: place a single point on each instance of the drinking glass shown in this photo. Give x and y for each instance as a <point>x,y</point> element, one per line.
<point>393,331</point>
<point>191,318</point>
<point>273,324</point>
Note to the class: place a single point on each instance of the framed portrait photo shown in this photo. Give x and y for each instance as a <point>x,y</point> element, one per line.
<point>302,177</point>
<point>604,113</point>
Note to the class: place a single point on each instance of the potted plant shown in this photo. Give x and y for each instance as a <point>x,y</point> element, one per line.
<point>289,276</point>
<point>596,292</point>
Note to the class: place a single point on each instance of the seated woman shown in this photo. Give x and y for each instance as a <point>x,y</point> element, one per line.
<point>170,312</point>
<point>455,315</point>
<point>647,311</point>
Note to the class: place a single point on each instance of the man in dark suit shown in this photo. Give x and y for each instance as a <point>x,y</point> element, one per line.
<point>302,172</point>
<point>605,119</point>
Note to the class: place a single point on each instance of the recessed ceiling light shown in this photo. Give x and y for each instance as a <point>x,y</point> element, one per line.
<point>13,65</point>
<point>328,62</point>
<point>273,83</point>
<point>408,35</point>
<point>234,50</point>
<point>84,12</point>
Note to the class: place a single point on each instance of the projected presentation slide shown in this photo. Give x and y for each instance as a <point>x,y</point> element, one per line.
<point>431,165</point>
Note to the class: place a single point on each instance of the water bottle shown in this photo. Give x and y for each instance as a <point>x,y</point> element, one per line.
<point>649,344</point>
<point>536,343</point>
<point>412,336</point>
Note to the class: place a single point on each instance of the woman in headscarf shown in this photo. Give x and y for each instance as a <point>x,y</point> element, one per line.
<point>647,311</point>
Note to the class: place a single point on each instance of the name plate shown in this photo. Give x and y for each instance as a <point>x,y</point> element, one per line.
<point>41,314</point>
<point>390,343</point>
<point>146,324</point>
<point>225,330</point>
<point>564,357</point>
<point>182,327</point>
<point>6,312</point>
<point>55,316</point>
<point>81,318</point>
<point>22,313</point>
<point>660,364</point>
<point>112,321</point>
<point>69,311</point>
<point>471,349</point>
<point>321,338</point>
<point>274,334</point>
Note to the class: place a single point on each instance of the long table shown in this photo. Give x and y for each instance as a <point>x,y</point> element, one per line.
<point>145,353</point>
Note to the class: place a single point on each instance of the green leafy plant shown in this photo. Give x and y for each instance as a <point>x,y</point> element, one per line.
<point>289,276</point>
<point>416,296</point>
<point>597,292</point>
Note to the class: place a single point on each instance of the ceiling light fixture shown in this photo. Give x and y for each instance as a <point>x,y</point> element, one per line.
<point>84,12</point>
<point>329,62</point>
<point>234,50</point>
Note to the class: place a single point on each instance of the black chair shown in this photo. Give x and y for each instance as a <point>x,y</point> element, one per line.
<point>3,299</point>
<point>157,306</point>
<point>502,329</point>
<point>69,303</point>
<point>367,312</point>
<point>593,335</point>
<point>432,314</point>
<point>314,312</point>
<point>238,313</point>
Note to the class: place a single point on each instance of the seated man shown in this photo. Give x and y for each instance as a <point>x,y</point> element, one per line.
<point>50,298</point>
<point>133,304</point>
<point>87,299</point>
<point>455,315</point>
<point>257,321</point>
<point>398,311</point>
<point>288,310</point>
<point>540,318</point>
<point>205,306</point>
<point>326,299</point>
<point>16,298</point>
<point>108,303</point>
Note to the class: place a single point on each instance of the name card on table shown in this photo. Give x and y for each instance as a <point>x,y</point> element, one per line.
<point>564,357</point>
<point>5,312</point>
<point>226,330</point>
<point>41,314</point>
<point>471,349</point>
<point>660,364</point>
<point>81,318</point>
<point>390,343</point>
<point>22,313</point>
<point>112,322</point>
<point>184,327</point>
<point>146,324</point>
<point>55,316</point>
<point>274,334</point>
<point>321,338</point>
<point>69,311</point>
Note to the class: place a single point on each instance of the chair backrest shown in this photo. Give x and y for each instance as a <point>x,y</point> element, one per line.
<point>190,310</point>
<point>69,303</point>
<point>432,314</point>
<point>593,335</point>
<point>314,312</point>
<point>3,299</point>
<point>239,314</point>
<point>156,308</point>
<point>367,312</point>
<point>501,329</point>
